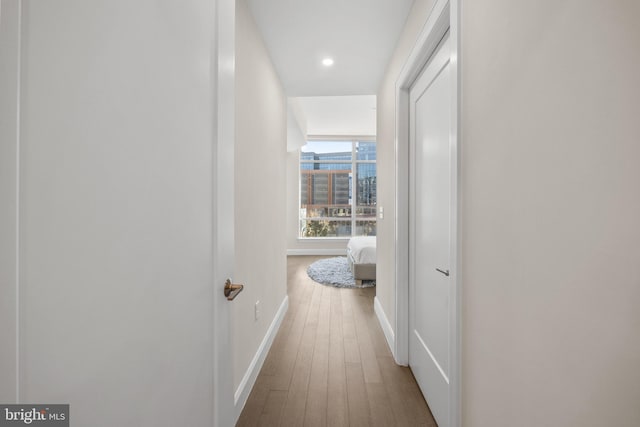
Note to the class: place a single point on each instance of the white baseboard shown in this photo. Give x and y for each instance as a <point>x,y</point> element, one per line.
<point>249,378</point>
<point>386,326</point>
<point>342,252</point>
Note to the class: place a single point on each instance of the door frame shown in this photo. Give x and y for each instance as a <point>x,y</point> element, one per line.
<point>222,77</point>
<point>10,57</point>
<point>444,17</point>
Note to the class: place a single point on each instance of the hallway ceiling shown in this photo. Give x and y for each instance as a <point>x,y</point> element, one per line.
<point>359,35</point>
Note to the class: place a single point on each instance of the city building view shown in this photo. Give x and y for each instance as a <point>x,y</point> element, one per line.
<point>332,202</point>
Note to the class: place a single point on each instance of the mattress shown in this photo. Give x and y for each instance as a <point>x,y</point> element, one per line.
<point>362,249</point>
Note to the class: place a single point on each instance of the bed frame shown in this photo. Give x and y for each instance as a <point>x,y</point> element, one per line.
<point>361,271</point>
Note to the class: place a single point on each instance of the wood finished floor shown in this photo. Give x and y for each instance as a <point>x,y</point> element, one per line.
<point>330,365</point>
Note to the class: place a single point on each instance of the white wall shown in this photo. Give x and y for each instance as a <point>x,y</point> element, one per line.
<point>261,143</point>
<point>550,208</point>
<point>296,126</point>
<point>116,210</point>
<point>385,269</point>
<point>9,77</point>
<point>550,213</point>
<point>339,115</point>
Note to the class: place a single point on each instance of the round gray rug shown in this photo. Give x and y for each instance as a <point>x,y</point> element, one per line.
<point>335,272</point>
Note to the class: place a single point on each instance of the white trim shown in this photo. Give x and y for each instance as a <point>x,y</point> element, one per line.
<point>11,55</point>
<point>445,15</point>
<point>455,321</point>
<point>222,76</point>
<point>318,252</point>
<point>434,29</point>
<point>249,378</point>
<point>384,323</point>
<point>18,199</point>
<point>323,239</point>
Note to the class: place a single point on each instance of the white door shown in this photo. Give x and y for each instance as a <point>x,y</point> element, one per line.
<point>430,232</point>
<point>119,209</point>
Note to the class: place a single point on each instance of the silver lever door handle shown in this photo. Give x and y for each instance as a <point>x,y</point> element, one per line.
<point>445,272</point>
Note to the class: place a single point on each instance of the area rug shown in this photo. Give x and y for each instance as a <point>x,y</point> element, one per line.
<point>335,272</point>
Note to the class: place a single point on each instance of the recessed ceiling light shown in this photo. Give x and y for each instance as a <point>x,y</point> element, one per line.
<point>327,62</point>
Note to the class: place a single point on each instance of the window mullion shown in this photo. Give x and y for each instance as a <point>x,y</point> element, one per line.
<point>354,186</point>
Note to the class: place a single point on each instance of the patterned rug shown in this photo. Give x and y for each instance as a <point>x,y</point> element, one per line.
<point>335,272</point>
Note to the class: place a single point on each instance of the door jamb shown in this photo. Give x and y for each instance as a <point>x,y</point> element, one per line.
<point>444,17</point>
<point>222,74</point>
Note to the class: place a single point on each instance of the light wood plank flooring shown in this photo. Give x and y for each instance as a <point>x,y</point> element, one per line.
<point>330,365</point>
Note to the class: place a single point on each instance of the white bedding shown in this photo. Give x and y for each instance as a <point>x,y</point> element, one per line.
<point>363,249</point>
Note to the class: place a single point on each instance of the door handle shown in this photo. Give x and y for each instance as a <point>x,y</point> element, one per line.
<point>231,291</point>
<point>445,272</point>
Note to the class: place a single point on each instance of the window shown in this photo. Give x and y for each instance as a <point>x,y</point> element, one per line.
<point>332,202</point>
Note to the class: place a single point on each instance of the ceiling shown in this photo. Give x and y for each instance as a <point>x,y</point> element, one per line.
<point>359,35</point>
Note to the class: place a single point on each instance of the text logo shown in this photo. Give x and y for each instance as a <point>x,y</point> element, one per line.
<point>34,415</point>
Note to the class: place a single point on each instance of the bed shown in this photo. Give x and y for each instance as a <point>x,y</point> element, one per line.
<point>361,253</point>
